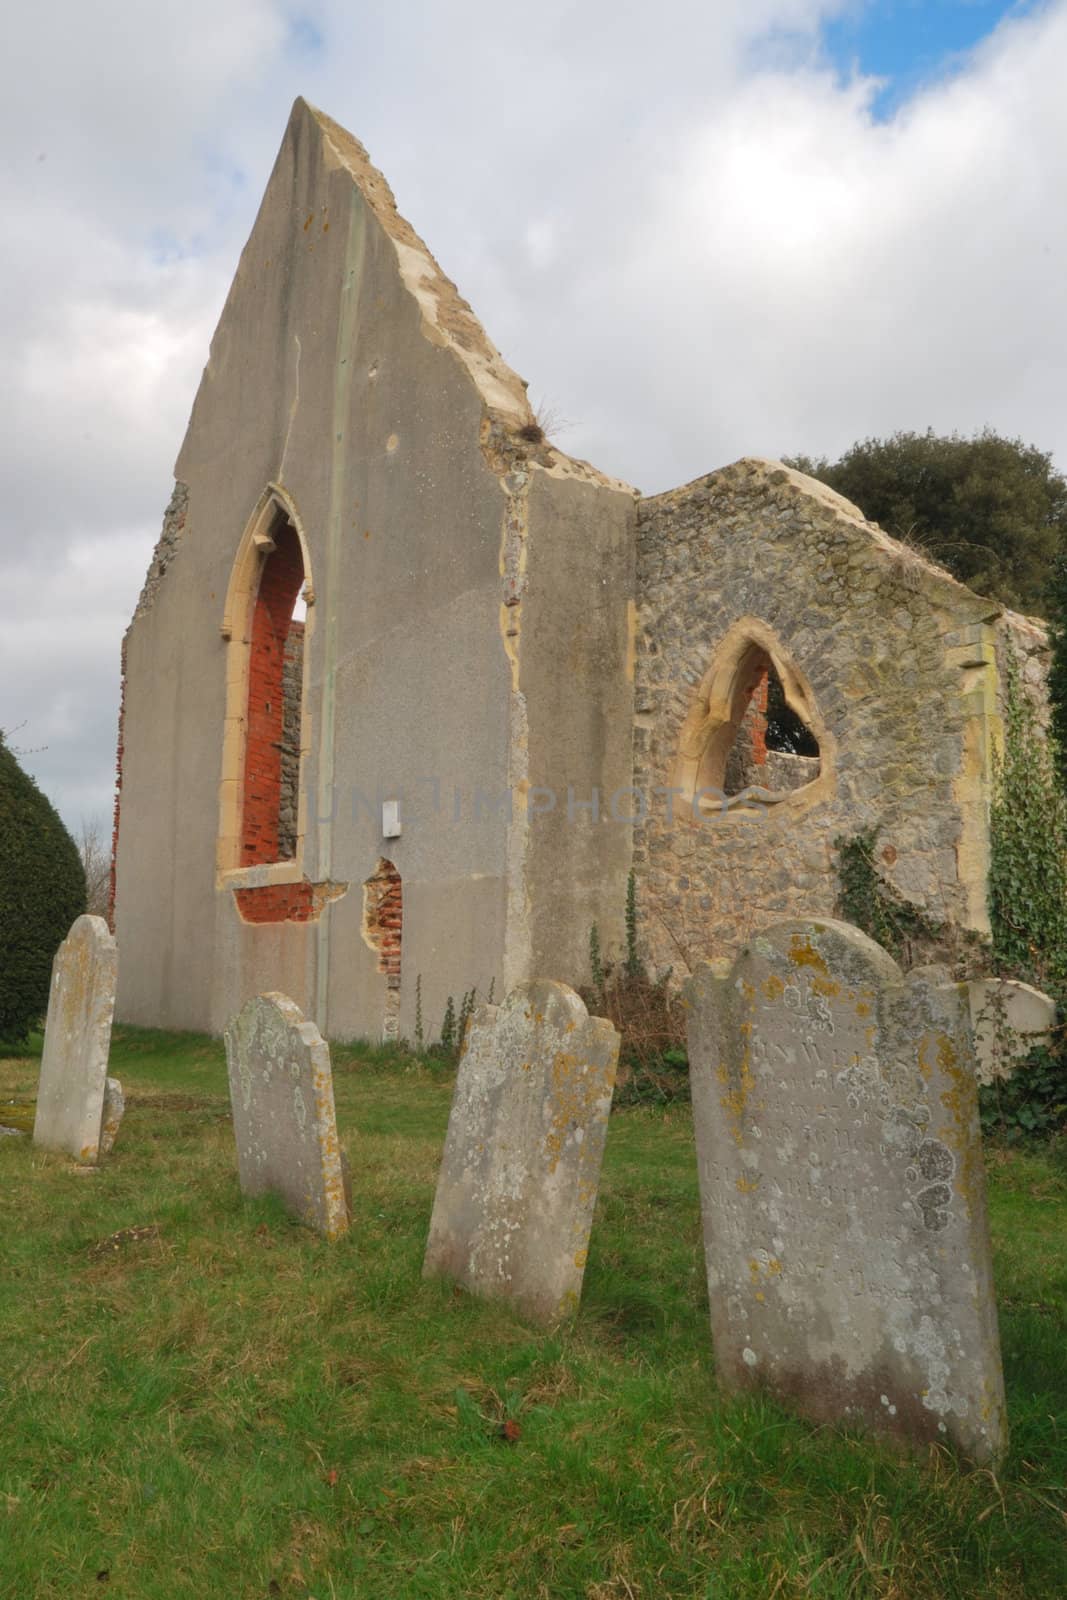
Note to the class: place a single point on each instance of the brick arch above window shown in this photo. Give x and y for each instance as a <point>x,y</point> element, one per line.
<point>748,653</point>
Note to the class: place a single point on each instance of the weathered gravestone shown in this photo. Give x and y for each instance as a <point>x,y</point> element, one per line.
<point>842,1187</point>
<point>281,1093</point>
<point>521,1165</point>
<point>77,1038</point>
<point>1008,1019</point>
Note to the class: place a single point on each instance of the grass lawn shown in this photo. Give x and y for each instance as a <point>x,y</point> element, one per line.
<point>199,1398</point>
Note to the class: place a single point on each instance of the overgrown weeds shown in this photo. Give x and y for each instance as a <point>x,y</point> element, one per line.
<point>648,1015</point>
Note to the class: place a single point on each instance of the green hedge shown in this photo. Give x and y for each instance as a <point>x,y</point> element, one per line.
<point>42,890</point>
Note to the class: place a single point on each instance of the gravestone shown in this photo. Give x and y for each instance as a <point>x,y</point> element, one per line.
<point>77,1038</point>
<point>521,1165</point>
<point>842,1187</point>
<point>281,1093</point>
<point>1008,1018</point>
<point>114,1109</point>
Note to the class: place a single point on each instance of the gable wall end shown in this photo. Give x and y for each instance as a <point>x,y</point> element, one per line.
<point>901,666</point>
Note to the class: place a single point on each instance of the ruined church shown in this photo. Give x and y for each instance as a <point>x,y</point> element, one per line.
<point>409,692</point>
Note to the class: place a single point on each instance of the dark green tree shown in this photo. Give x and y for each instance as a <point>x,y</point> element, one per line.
<point>992,510</point>
<point>42,890</point>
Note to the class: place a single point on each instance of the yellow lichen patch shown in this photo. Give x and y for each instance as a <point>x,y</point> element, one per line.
<point>580,1259</point>
<point>773,987</point>
<point>825,986</point>
<point>574,1095</point>
<point>747,1185</point>
<point>802,953</point>
<point>863,1009</point>
<point>764,1269</point>
<point>735,1101</point>
<point>927,1054</point>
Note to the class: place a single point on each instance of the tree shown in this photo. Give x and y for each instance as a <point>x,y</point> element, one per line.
<point>992,510</point>
<point>95,852</point>
<point>42,890</point>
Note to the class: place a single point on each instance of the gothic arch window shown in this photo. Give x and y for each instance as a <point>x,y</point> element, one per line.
<point>267,622</point>
<point>753,736</point>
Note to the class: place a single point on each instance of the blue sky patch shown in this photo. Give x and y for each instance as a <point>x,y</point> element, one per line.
<point>911,43</point>
<point>305,38</point>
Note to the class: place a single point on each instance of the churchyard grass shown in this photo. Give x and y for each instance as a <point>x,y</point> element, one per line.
<point>222,1404</point>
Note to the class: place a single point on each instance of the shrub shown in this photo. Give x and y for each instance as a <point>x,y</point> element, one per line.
<point>42,890</point>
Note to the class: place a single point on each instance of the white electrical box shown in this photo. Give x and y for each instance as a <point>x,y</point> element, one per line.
<point>390,819</point>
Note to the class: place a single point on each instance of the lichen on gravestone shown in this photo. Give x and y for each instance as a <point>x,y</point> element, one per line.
<point>842,1187</point>
<point>77,1040</point>
<point>521,1166</point>
<point>285,1125</point>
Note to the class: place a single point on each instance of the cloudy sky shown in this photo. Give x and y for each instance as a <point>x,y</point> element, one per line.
<point>699,228</point>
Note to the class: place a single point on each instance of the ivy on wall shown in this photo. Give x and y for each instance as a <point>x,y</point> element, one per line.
<point>1028,849</point>
<point>1027,904</point>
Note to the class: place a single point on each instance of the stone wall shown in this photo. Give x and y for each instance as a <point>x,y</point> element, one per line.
<point>292,698</point>
<point>891,663</point>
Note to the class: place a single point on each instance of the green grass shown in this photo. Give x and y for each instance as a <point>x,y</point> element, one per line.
<point>224,1405</point>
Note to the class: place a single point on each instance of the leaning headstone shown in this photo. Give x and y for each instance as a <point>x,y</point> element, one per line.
<point>842,1187</point>
<point>281,1092</point>
<point>521,1165</point>
<point>77,1038</point>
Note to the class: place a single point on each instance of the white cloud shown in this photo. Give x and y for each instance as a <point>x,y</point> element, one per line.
<point>676,221</point>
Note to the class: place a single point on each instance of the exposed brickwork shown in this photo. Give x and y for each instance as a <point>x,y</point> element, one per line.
<point>118,790</point>
<point>279,585</point>
<point>286,902</point>
<point>758,717</point>
<point>383,929</point>
<point>383,917</point>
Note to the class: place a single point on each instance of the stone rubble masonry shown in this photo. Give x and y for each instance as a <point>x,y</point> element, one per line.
<point>521,1165</point>
<point>901,662</point>
<point>292,696</point>
<point>281,1093</point>
<point>81,1003</point>
<point>842,1188</point>
<point>164,553</point>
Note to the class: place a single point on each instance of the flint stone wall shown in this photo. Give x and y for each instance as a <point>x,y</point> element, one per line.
<point>842,1188</point>
<point>902,664</point>
<point>77,1040</point>
<point>281,1093</point>
<point>521,1165</point>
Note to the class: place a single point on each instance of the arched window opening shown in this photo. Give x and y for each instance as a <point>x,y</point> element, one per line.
<point>774,748</point>
<point>752,736</point>
<point>273,730</point>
